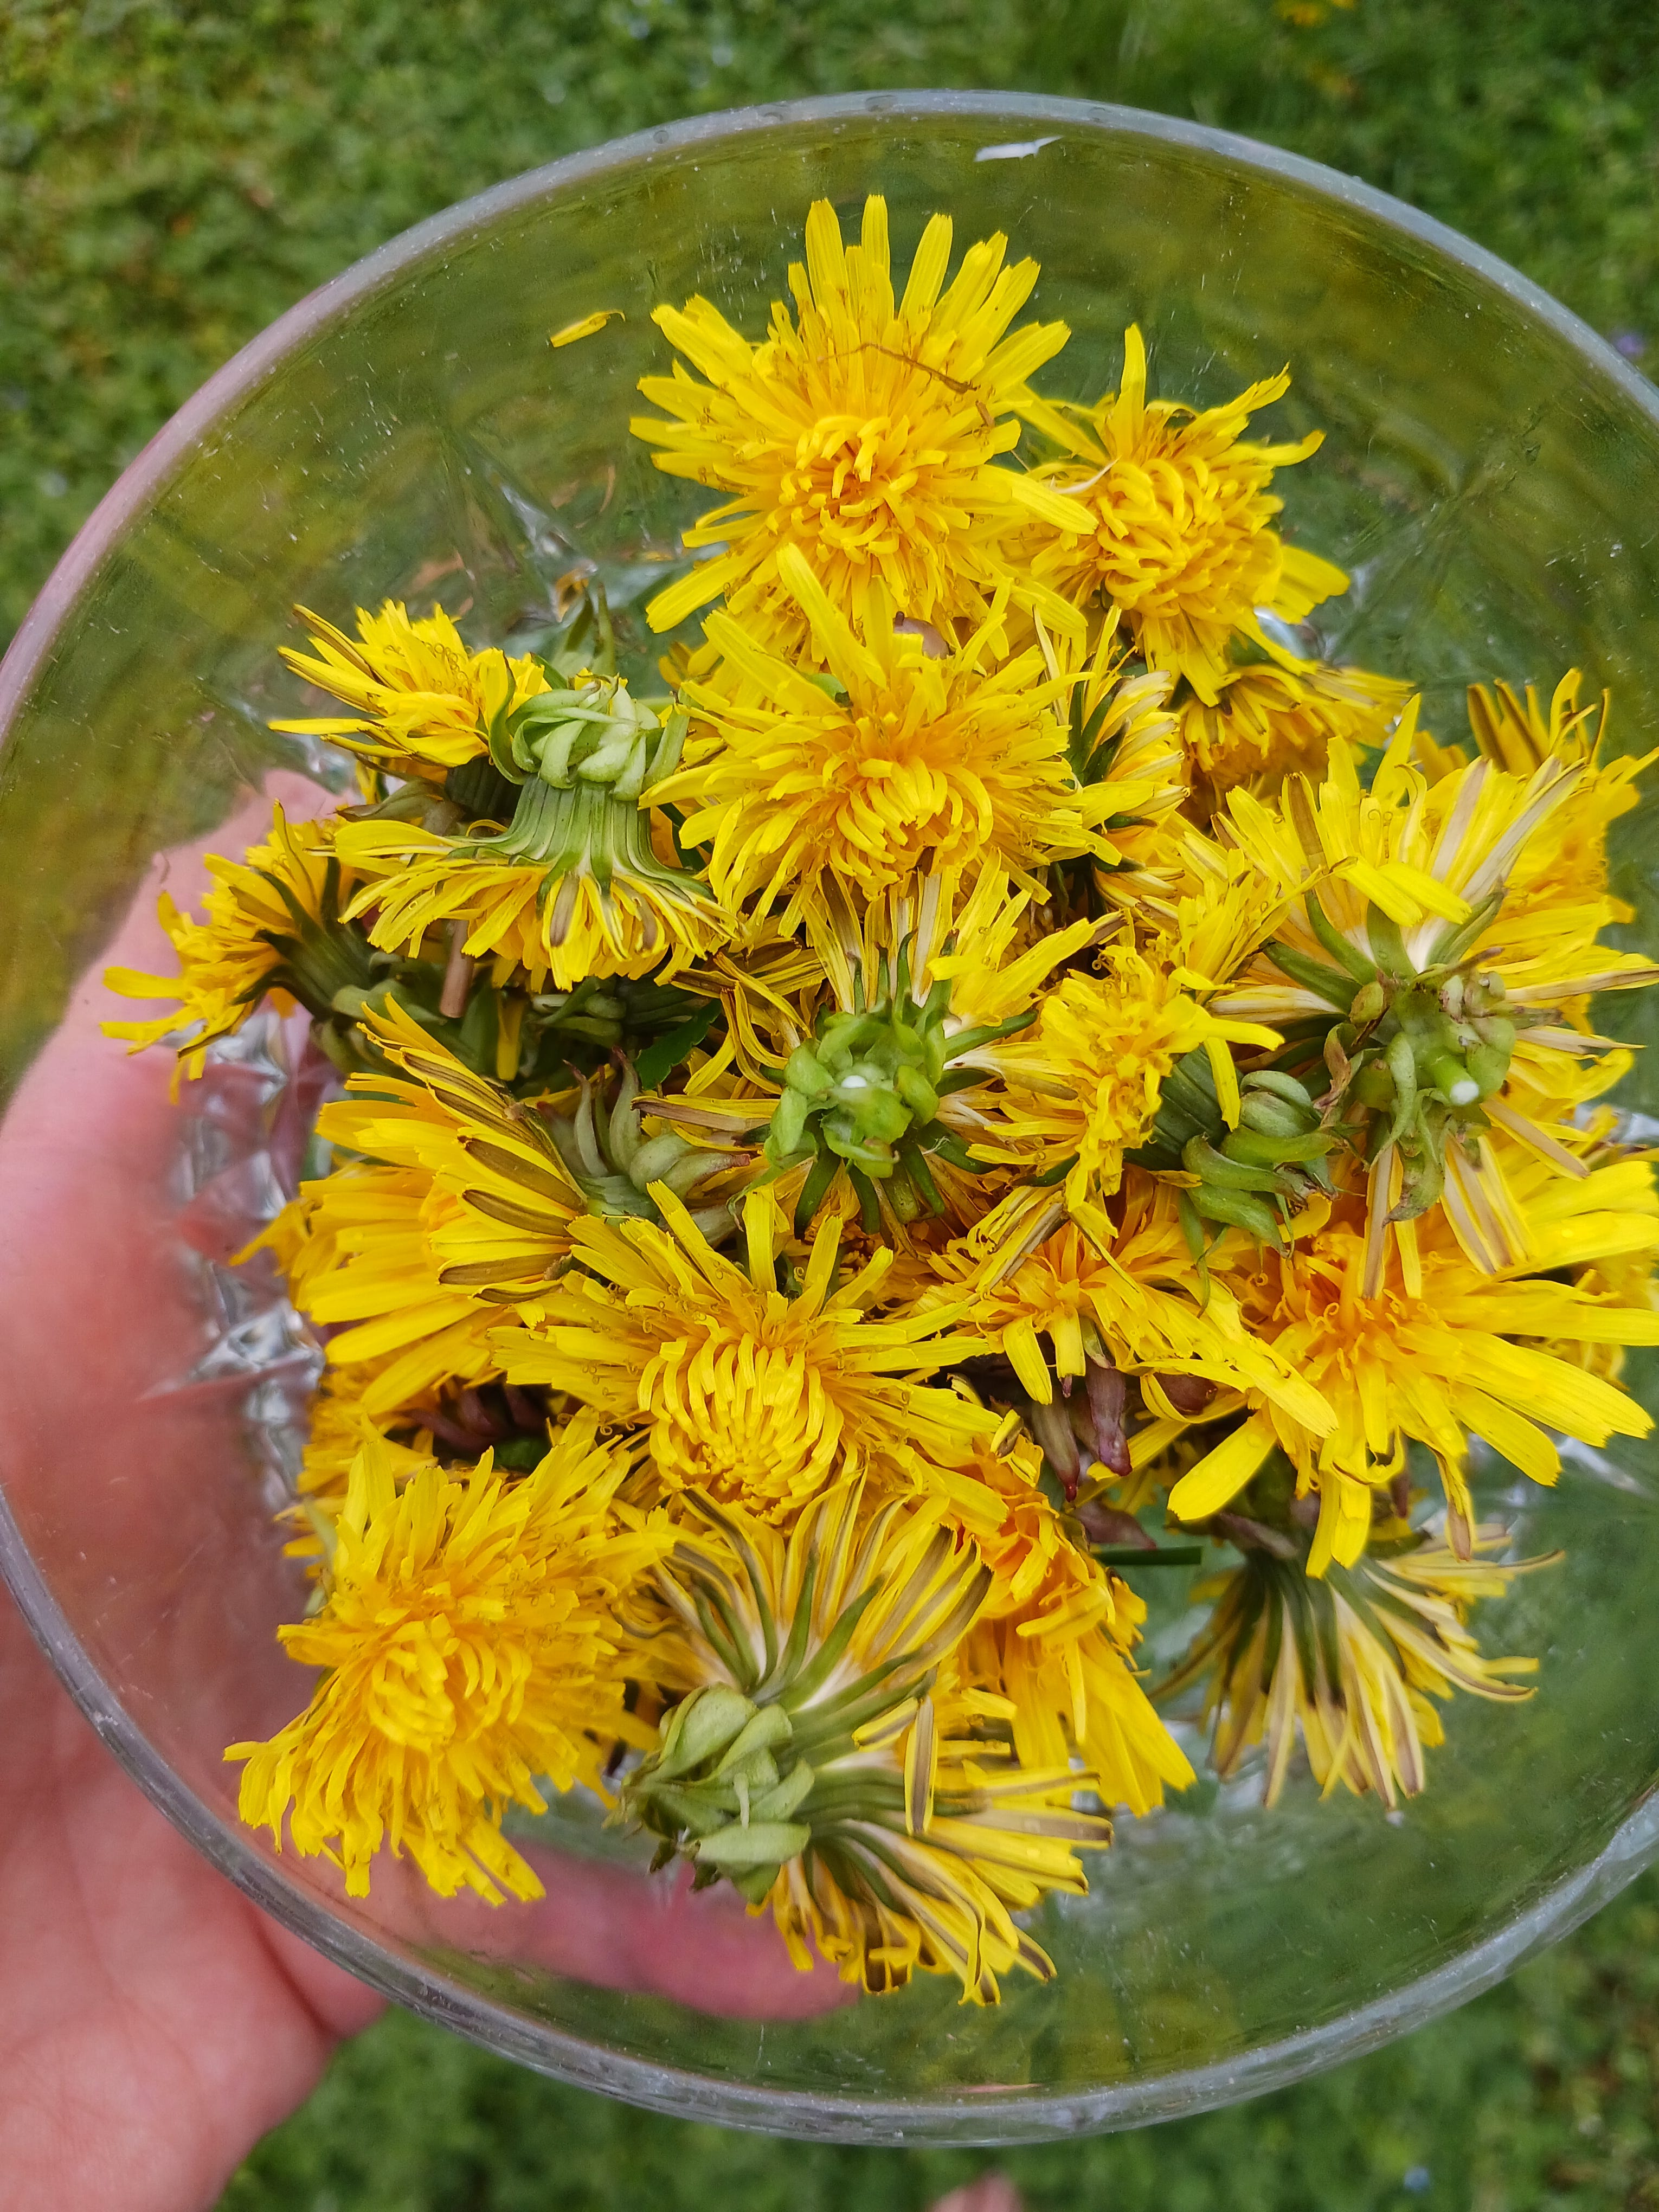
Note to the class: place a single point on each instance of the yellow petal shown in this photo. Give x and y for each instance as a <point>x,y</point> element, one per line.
<point>1205,1488</point>
<point>586,327</point>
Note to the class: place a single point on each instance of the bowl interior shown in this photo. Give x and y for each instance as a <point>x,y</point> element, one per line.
<point>1489,475</point>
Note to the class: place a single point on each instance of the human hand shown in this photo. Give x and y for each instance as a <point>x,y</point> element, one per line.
<point>155,2022</point>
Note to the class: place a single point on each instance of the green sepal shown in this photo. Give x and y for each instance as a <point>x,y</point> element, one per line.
<point>1332,984</point>
<point>1347,957</point>
<point>1187,1107</point>
<point>1389,945</point>
<point>1256,1148</point>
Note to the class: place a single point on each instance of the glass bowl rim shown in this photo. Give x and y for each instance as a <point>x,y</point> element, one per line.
<point>1019,2115</point>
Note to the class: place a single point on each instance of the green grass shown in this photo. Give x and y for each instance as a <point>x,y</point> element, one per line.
<point>173,174</point>
<point>1541,2094</point>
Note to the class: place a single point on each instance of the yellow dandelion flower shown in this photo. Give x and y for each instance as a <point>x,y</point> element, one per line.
<point>1437,1362</point>
<point>1178,511</point>
<point>1283,715</point>
<point>828,1762</point>
<point>471,1651</point>
<point>574,886</point>
<point>1084,1091</point>
<point>864,433</point>
<point>272,928</point>
<point>1054,1638</point>
<point>831,803</point>
<point>424,702</point>
<point>754,1393</point>
<point>1350,1661</point>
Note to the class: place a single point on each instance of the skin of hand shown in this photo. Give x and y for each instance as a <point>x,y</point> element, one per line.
<point>155,2023</point>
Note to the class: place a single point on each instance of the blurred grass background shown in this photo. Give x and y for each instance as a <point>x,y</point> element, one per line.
<point>172,175</point>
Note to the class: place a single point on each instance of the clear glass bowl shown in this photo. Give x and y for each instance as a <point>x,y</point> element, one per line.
<point>1490,477</point>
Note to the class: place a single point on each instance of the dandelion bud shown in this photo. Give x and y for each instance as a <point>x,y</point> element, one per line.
<point>866,1090</point>
<point>594,730</point>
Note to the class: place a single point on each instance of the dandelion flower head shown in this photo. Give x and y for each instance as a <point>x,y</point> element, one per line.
<point>1180,509</point>
<point>424,701</point>
<point>271,928</point>
<point>1084,1089</point>
<point>834,801</point>
<point>864,431</point>
<point>755,1395</point>
<point>470,1650</point>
